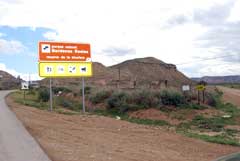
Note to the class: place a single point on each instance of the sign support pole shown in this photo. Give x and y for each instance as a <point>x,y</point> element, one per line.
<point>50,93</point>
<point>203,95</point>
<point>24,97</point>
<point>83,95</point>
<point>198,97</point>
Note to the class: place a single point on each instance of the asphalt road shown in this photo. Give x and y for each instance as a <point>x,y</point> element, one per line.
<point>232,157</point>
<point>16,144</point>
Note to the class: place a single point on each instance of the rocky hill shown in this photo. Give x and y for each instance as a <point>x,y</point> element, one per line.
<point>142,72</point>
<point>7,81</point>
<point>151,72</point>
<point>219,79</point>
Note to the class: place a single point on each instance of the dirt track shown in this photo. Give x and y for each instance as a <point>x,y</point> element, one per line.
<point>231,95</point>
<point>95,138</point>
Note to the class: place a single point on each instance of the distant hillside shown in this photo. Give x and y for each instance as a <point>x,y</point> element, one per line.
<point>7,81</point>
<point>219,79</point>
<point>151,71</point>
<point>142,72</point>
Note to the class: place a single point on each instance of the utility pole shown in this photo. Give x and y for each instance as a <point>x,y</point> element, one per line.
<point>119,74</point>
<point>29,80</point>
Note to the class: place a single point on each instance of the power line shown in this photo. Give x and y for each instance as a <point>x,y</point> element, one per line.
<point>164,64</point>
<point>206,59</point>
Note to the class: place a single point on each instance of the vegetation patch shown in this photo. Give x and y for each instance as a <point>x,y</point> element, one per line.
<point>43,95</point>
<point>100,96</point>
<point>232,85</point>
<point>219,139</point>
<point>115,114</point>
<point>194,122</point>
<point>215,124</point>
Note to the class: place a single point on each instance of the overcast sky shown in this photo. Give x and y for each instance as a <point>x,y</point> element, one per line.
<point>189,33</point>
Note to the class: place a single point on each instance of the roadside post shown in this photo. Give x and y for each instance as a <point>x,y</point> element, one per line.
<point>201,88</point>
<point>50,94</point>
<point>203,95</point>
<point>64,60</point>
<point>24,87</point>
<point>83,95</point>
<point>185,89</point>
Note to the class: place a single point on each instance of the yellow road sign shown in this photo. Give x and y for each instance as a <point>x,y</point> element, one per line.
<point>65,69</point>
<point>200,87</point>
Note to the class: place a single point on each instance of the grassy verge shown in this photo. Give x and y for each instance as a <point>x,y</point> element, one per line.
<point>125,117</point>
<point>31,99</point>
<point>189,129</point>
<point>220,139</point>
<point>235,86</point>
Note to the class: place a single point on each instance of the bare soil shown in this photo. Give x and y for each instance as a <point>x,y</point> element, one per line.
<point>96,138</point>
<point>231,95</point>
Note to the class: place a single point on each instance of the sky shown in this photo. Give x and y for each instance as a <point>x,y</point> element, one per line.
<point>201,37</point>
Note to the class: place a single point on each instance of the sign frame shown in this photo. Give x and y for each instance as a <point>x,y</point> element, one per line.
<point>200,87</point>
<point>24,85</point>
<point>89,64</point>
<point>63,51</point>
<point>186,88</point>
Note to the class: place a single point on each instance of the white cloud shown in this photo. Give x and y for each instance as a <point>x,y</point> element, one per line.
<point>24,76</point>
<point>2,34</point>
<point>217,69</point>
<point>11,47</point>
<point>50,35</point>
<point>235,14</point>
<point>139,25</point>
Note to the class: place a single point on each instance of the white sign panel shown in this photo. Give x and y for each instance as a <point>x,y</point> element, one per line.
<point>185,88</point>
<point>25,85</point>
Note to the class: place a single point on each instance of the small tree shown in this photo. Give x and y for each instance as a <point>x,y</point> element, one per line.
<point>43,95</point>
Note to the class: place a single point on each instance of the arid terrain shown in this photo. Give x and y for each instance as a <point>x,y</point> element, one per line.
<point>98,138</point>
<point>231,95</point>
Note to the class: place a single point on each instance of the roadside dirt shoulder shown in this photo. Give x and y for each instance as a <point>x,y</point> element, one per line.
<point>230,95</point>
<point>96,138</point>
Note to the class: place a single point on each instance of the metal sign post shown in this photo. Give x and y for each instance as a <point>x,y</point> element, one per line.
<point>25,86</point>
<point>50,94</point>
<point>24,96</point>
<point>201,87</point>
<point>62,60</point>
<point>83,95</point>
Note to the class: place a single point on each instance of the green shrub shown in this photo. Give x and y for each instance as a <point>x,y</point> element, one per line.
<point>214,99</point>
<point>43,95</point>
<point>218,92</point>
<point>76,107</point>
<point>193,106</point>
<point>118,101</point>
<point>146,99</point>
<point>87,90</point>
<point>31,92</point>
<point>100,97</point>
<point>172,98</point>
<point>65,103</point>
